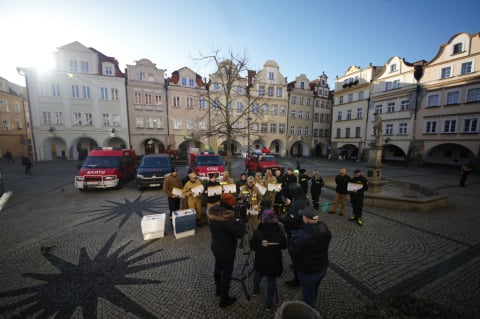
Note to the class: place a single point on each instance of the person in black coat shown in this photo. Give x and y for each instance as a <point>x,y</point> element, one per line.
<point>316,186</point>
<point>268,241</point>
<point>356,196</point>
<point>308,246</point>
<point>225,228</point>
<point>293,221</point>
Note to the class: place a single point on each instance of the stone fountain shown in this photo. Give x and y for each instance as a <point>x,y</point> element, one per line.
<point>392,193</point>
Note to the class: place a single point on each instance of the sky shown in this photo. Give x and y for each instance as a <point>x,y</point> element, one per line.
<point>303,37</point>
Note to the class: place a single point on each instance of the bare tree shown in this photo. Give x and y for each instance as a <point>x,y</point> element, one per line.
<point>229,98</point>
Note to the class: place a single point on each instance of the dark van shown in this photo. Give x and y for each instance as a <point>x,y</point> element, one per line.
<point>152,170</point>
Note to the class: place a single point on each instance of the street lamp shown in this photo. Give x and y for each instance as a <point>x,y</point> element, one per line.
<point>248,134</point>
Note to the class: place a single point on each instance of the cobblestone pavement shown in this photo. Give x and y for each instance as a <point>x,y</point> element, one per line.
<point>66,253</point>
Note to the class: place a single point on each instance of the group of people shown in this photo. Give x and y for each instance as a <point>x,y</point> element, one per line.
<point>25,161</point>
<point>275,210</point>
<point>354,187</point>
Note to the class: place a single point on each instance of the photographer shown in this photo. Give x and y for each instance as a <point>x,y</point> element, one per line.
<point>225,229</point>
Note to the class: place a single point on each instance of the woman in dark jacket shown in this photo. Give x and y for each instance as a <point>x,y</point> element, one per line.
<point>225,229</point>
<point>268,241</point>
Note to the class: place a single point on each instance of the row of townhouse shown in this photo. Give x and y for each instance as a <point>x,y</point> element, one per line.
<point>14,113</point>
<point>430,111</point>
<point>86,101</point>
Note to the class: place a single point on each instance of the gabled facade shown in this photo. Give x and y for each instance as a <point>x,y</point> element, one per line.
<point>270,111</point>
<point>77,105</point>
<point>14,135</point>
<point>393,97</point>
<point>350,111</point>
<point>187,110</point>
<point>147,111</point>
<point>322,115</point>
<point>449,112</point>
<point>300,116</point>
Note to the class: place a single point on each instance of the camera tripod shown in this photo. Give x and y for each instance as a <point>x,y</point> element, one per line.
<point>246,271</point>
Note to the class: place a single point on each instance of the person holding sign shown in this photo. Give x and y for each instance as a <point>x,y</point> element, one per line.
<point>193,190</point>
<point>357,186</point>
<point>213,191</point>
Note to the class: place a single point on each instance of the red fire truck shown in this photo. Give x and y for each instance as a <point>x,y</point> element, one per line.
<point>106,167</point>
<point>205,164</point>
<point>260,161</point>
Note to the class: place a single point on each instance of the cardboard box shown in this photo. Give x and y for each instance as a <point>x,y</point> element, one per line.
<point>153,226</point>
<point>184,223</point>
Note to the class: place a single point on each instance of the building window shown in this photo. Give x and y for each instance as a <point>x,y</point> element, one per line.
<point>148,99</point>
<point>315,132</point>
<point>255,108</point>
<point>388,86</point>
<point>88,119</point>
<point>473,95</point>
<point>340,100</point>
<point>350,98</point>
<point>307,131</point>
<point>431,127</point>
<point>270,91</point>
<point>84,66</point>
<point>449,126</point>
<point>389,129</point>
<point>273,109</point>
<point>404,105</point>
<point>106,119</point>
<point>273,128</point>
<point>339,116</point>
<point>301,100</point>
<point>139,122</point>
<point>339,131</point>
<point>393,68</point>
<point>434,100</point>
<point>6,125</point>
<point>307,115</point>
<point>359,113</point>
<point>470,125</point>
<point>271,76</point>
<point>282,111</point>
<point>264,127</point>
<point>446,72</point>
<point>73,66</point>
<point>202,104</point>
<point>300,131</point>
<point>294,100</point>
<point>239,89</point>
<point>86,92</point>
<point>457,48</point>
<point>108,70</point>
<point>55,89</point>
<point>177,124</point>
<point>77,118</point>
<point>453,97</point>
<point>347,132</point>
<point>349,114</point>
<point>114,94</point>
<point>300,114</point>
<point>138,98</point>
<point>396,84</point>
<point>357,131</point>
<point>281,128</point>
<point>104,93</point>
<point>265,109</point>
<point>379,108</point>
<point>58,118</point>
<point>403,128</point>
<point>239,107</point>
<point>184,82</point>
<point>47,118</point>
<point>191,83</point>
<point>158,99</point>
<point>202,125</point>
<point>360,95</point>
<point>293,114</point>
<point>190,102</point>
<point>279,92</point>
<point>75,92</point>
<point>391,107</point>
<point>292,129</point>
<point>176,101</point>
<point>141,76</point>
<point>466,67</point>
<point>261,90</point>
<point>302,85</point>
<point>216,86</point>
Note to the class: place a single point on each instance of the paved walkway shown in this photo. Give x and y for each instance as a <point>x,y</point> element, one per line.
<point>81,255</point>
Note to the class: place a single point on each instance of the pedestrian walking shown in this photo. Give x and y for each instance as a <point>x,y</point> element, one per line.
<point>341,192</point>
<point>27,163</point>
<point>308,246</point>
<point>9,157</point>
<point>225,228</point>
<point>359,187</point>
<point>465,170</point>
